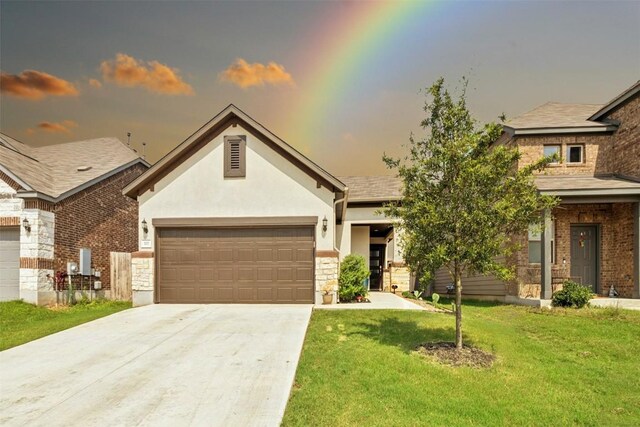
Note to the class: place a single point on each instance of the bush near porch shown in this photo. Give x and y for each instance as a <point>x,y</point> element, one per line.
<point>553,367</point>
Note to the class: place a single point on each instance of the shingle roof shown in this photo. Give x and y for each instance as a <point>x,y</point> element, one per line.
<point>557,115</point>
<point>556,184</point>
<point>54,169</point>
<point>373,188</point>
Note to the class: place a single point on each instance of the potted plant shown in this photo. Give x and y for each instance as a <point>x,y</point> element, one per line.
<point>327,291</point>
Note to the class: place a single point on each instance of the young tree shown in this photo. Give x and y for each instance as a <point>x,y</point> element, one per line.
<point>464,197</point>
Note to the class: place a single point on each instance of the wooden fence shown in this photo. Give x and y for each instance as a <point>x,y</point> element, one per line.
<point>121,276</point>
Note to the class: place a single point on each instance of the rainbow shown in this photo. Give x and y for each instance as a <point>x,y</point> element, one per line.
<point>349,42</point>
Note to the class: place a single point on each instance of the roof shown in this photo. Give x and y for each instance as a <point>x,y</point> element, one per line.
<point>213,127</point>
<point>616,102</point>
<point>373,188</point>
<point>575,185</point>
<point>559,117</point>
<point>59,170</point>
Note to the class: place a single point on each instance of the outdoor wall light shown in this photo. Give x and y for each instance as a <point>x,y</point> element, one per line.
<point>145,228</point>
<point>26,225</point>
<point>324,224</point>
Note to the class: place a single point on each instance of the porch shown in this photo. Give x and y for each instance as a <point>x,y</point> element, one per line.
<point>592,238</point>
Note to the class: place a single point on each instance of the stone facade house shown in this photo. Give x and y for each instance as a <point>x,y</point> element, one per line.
<point>236,215</point>
<point>57,199</point>
<point>593,236</point>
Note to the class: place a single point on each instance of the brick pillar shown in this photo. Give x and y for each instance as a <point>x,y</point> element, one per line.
<point>142,278</point>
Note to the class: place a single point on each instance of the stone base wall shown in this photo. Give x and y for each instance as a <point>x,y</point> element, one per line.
<point>142,278</point>
<point>327,267</point>
<point>400,276</point>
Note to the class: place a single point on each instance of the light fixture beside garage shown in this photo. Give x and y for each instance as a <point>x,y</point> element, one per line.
<point>26,225</point>
<point>324,224</point>
<point>145,228</point>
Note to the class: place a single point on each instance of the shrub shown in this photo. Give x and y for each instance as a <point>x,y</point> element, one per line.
<point>435,298</point>
<point>572,294</point>
<point>353,272</point>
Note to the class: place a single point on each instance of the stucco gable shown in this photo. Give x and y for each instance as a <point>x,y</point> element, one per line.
<point>229,117</point>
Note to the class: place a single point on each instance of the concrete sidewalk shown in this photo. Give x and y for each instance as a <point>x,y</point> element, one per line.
<point>379,300</point>
<point>171,365</point>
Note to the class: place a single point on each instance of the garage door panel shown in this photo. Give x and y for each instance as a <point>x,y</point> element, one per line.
<point>260,265</point>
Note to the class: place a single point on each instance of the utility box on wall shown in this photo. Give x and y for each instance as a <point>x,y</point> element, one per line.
<point>85,262</point>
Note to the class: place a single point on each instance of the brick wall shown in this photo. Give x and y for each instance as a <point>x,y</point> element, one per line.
<point>598,153</point>
<point>616,256</point>
<point>626,140</point>
<point>100,218</point>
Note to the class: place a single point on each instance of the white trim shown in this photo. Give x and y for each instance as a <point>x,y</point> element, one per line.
<point>556,130</point>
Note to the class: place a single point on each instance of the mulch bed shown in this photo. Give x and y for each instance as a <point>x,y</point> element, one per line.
<point>446,353</point>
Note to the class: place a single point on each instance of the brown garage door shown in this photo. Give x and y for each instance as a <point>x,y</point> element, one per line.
<point>235,265</point>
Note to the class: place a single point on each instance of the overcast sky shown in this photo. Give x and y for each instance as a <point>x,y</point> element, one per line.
<point>339,81</point>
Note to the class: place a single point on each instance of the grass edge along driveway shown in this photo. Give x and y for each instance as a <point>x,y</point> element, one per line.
<point>554,367</point>
<point>21,322</point>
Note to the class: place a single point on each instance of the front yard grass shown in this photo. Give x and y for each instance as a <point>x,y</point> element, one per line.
<point>560,367</point>
<point>21,322</point>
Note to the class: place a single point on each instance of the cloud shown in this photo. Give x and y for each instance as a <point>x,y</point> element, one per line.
<point>95,83</point>
<point>127,71</point>
<point>245,75</point>
<point>34,85</point>
<point>53,127</point>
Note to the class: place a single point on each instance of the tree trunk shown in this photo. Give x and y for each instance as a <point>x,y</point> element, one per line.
<point>458,280</point>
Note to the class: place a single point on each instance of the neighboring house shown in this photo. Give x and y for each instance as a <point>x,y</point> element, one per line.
<point>593,236</point>
<point>233,214</point>
<point>57,199</point>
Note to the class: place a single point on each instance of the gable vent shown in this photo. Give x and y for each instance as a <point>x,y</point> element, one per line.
<point>234,156</point>
<point>234,148</point>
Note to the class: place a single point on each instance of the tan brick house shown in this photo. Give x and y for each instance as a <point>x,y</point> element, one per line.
<point>593,236</point>
<point>57,199</point>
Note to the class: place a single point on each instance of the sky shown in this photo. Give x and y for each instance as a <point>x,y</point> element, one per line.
<point>342,82</point>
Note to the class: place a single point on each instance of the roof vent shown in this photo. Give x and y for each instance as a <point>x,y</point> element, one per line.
<point>83,168</point>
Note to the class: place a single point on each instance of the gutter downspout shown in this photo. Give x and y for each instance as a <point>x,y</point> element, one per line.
<point>344,212</point>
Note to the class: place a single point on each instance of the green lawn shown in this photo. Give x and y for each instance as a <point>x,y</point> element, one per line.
<point>560,367</point>
<point>21,322</point>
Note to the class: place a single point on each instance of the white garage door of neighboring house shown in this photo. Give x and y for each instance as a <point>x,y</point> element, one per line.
<point>9,263</point>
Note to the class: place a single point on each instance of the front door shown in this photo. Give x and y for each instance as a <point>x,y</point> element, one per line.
<point>584,255</point>
<point>376,265</point>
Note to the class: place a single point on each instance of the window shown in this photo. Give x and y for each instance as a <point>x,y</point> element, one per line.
<point>234,156</point>
<point>550,150</point>
<point>535,244</point>
<point>575,153</point>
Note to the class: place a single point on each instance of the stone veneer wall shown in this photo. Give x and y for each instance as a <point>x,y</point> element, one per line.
<point>36,256</point>
<point>327,266</point>
<point>142,277</point>
<point>400,275</point>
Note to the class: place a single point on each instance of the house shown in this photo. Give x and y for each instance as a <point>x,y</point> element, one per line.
<point>593,236</point>
<point>236,215</point>
<point>57,199</point>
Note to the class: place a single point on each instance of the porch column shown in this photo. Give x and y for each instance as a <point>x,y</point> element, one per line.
<point>636,250</point>
<point>545,282</point>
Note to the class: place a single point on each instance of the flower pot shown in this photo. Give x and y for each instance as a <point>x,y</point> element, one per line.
<point>327,298</point>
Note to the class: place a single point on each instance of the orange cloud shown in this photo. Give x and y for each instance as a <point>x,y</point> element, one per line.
<point>53,127</point>
<point>95,83</point>
<point>127,71</point>
<point>245,75</point>
<point>31,84</point>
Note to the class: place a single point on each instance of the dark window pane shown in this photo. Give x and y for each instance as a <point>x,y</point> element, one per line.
<point>575,155</point>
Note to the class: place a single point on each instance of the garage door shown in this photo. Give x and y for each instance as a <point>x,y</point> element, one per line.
<point>235,265</point>
<point>9,263</point>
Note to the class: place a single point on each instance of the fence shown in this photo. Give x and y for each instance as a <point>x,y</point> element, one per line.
<point>121,276</point>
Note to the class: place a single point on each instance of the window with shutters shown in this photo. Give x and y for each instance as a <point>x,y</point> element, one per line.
<point>234,156</point>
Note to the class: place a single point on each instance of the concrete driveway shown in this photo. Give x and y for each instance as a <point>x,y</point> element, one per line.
<point>172,365</point>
